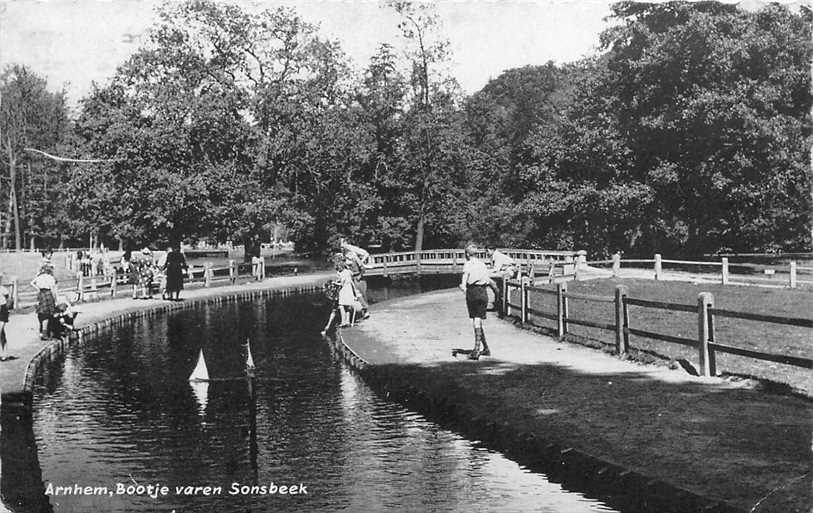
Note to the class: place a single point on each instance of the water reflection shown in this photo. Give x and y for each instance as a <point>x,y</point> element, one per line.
<point>120,410</point>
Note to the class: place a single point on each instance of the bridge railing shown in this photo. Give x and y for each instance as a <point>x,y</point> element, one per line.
<point>451,260</point>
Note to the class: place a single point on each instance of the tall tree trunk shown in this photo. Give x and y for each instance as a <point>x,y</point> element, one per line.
<point>17,232</point>
<point>419,232</point>
<point>810,184</point>
<point>12,208</point>
<point>28,208</point>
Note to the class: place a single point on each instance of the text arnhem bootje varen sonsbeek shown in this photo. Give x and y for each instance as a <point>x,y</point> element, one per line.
<point>159,490</point>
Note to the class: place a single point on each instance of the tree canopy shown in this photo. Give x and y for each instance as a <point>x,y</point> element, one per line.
<point>689,133</point>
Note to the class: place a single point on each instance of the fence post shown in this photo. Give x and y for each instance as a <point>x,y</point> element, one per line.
<point>531,274</point>
<point>232,272</point>
<point>207,274</point>
<point>505,296</point>
<point>552,271</point>
<point>616,264</point>
<point>418,263</point>
<point>262,268</point>
<point>621,320</point>
<point>793,274</point>
<point>705,300</point>
<point>581,259</point>
<point>523,310</point>
<point>561,308</point>
<point>15,295</point>
<point>80,287</point>
<point>725,270</point>
<point>658,267</point>
<point>114,282</point>
<point>384,262</point>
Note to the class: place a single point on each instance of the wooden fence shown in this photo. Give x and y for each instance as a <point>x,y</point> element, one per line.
<point>705,343</point>
<point>791,275</point>
<point>91,288</point>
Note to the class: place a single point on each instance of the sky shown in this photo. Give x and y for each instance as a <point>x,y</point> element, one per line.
<point>75,42</point>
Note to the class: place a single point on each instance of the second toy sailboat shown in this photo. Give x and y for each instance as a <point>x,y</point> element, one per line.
<point>201,373</point>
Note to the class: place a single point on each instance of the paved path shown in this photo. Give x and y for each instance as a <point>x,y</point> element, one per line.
<point>714,438</point>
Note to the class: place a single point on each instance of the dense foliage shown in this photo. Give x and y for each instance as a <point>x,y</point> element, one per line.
<point>689,133</point>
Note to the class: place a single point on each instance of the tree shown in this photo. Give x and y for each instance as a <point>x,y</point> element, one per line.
<point>431,161</point>
<point>714,105</point>
<point>30,117</point>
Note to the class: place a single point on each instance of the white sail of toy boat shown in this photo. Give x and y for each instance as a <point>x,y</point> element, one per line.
<point>201,373</point>
<point>201,391</point>
<point>249,358</point>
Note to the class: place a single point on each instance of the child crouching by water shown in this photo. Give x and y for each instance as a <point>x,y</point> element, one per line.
<point>331,290</point>
<point>62,322</point>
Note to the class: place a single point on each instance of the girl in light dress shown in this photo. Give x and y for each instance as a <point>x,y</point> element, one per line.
<point>346,295</point>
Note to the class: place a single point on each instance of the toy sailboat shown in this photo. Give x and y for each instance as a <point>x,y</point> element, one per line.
<point>249,358</point>
<point>201,373</point>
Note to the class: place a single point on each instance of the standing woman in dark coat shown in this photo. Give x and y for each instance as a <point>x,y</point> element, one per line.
<point>175,267</point>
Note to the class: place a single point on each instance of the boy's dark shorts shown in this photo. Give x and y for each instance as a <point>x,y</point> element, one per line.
<point>477,301</point>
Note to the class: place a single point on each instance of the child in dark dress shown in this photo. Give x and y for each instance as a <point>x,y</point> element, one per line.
<point>4,299</point>
<point>331,290</point>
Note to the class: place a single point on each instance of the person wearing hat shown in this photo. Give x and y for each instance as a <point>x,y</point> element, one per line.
<point>145,275</point>
<point>175,266</point>
<point>45,285</point>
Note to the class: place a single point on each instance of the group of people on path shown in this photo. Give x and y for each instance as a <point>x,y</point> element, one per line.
<point>144,271</point>
<point>348,291</point>
<point>55,315</point>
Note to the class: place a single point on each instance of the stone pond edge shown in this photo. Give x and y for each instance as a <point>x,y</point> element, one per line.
<point>216,295</point>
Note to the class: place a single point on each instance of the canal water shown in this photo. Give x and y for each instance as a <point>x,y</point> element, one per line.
<point>118,412</point>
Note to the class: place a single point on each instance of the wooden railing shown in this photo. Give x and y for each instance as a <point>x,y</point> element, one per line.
<point>437,261</point>
<point>92,288</point>
<point>705,343</point>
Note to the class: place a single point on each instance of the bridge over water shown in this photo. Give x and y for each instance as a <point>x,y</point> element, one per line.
<point>441,261</point>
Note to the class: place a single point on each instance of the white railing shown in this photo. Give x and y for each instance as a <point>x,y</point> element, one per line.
<point>779,275</point>
<point>450,260</point>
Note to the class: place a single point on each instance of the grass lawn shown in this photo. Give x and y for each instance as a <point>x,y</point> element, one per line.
<point>765,337</point>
